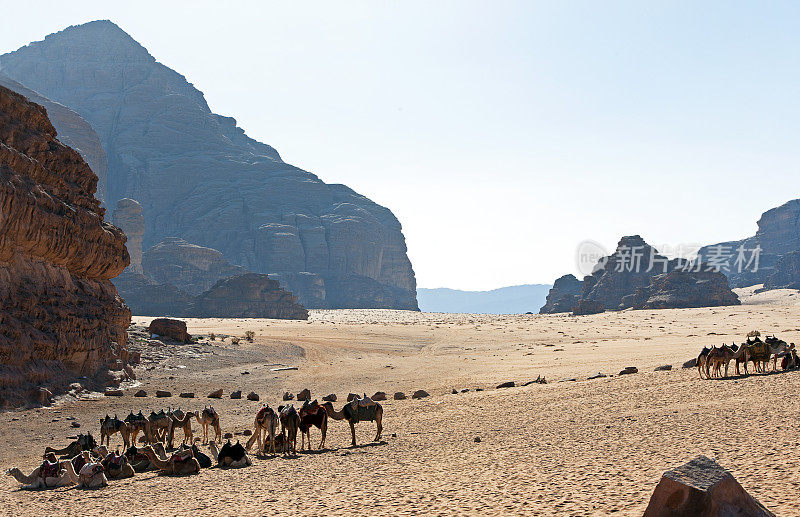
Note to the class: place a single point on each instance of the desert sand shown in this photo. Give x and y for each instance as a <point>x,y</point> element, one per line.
<point>570,447</point>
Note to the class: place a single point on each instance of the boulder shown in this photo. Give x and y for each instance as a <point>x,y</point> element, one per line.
<point>663,368</point>
<point>187,395</point>
<point>253,396</point>
<point>61,316</point>
<point>162,394</point>
<point>215,394</point>
<point>206,181</point>
<point>44,396</point>
<point>140,393</point>
<point>287,396</point>
<point>379,396</point>
<point>236,394</point>
<point>352,396</point>
<point>702,488</point>
<point>691,363</point>
<point>563,296</point>
<point>419,394</point>
<point>629,370</point>
<point>170,328</point>
<point>113,393</point>
<point>399,395</point>
<point>329,398</point>
<point>304,395</point>
<point>509,384</point>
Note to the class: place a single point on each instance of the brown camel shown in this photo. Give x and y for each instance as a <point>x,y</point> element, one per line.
<point>290,421</point>
<point>353,412</point>
<point>116,466</point>
<point>701,360</point>
<point>137,423</point>
<point>178,465</point>
<point>159,426</point>
<point>312,414</point>
<point>209,417</point>
<point>722,356</point>
<point>51,473</point>
<point>111,426</point>
<point>184,423</point>
<point>266,423</point>
<point>84,442</point>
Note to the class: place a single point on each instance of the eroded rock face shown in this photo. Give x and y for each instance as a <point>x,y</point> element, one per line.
<point>681,289</point>
<point>563,296</point>
<point>128,217</point>
<point>171,328</point>
<point>702,488</point>
<point>248,296</point>
<point>59,313</point>
<point>200,178</point>
<point>189,267</point>
<point>786,274</point>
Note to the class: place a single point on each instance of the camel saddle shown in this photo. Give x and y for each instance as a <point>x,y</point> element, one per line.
<point>181,456</point>
<point>362,402</point>
<point>759,351</point>
<point>49,470</point>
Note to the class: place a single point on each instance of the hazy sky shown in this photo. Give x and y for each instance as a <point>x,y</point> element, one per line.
<point>501,134</point>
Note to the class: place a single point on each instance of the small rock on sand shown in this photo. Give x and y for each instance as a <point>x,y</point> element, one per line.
<point>228,436</point>
<point>378,396</point>
<point>598,375</point>
<point>304,395</point>
<point>113,393</point>
<point>691,363</point>
<point>236,394</point>
<point>477,439</point>
<point>288,396</point>
<point>187,395</point>
<point>399,396</point>
<point>75,425</point>
<point>465,390</point>
<point>329,398</point>
<point>663,368</point>
<point>247,432</point>
<point>509,384</point>
<point>419,394</point>
<point>140,393</point>
<point>454,392</point>
<point>215,394</point>
<point>253,396</point>
<point>629,370</point>
<point>162,393</point>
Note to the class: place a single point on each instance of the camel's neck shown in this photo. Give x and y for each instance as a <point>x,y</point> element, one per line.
<point>336,415</point>
<point>155,460</point>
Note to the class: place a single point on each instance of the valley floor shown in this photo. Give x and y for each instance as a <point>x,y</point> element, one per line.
<point>570,447</point>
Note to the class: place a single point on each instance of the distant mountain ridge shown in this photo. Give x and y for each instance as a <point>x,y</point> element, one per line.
<point>516,299</point>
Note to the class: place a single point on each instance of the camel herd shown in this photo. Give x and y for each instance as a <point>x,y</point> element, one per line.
<point>713,361</point>
<point>86,463</point>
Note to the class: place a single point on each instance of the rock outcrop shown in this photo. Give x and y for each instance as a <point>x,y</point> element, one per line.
<point>73,131</point>
<point>778,234</point>
<point>191,268</point>
<point>563,296</point>
<point>637,276</point>
<point>128,217</point>
<point>248,296</point>
<point>171,328</point>
<point>146,298</point>
<point>786,273</point>
<point>60,315</point>
<point>702,488</point>
<point>200,178</point>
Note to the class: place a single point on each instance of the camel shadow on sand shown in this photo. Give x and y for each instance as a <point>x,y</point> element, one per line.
<point>741,376</point>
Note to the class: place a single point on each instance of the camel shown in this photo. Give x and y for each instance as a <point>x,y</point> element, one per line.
<point>701,360</point>
<point>84,442</point>
<point>116,466</point>
<point>723,356</point>
<point>355,412</point>
<point>778,347</point>
<point>757,351</point>
<point>312,414</point>
<point>137,423</point>
<point>230,456</point>
<point>140,461</point>
<point>51,473</point>
<point>290,421</point>
<point>266,422</point>
<point>202,459</point>
<point>180,464</point>
<point>111,426</point>
<point>184,423</point>
<point>159,426</point>
<point>209,417</point>
<point>790,361</point>
<point>90,475</point>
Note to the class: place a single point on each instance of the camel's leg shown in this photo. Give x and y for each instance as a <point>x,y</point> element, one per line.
<point>379,424</point>
<point>324,430</point>
<point>271,432</point>
<point>218,431</point>
<point>353,432</point>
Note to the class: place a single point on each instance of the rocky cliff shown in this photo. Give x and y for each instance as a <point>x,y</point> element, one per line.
<point>778,234</point>
<point>637,276</point>
<point>786,274</point>
<point>73,131</point>
<point>199,177</point>
<point>563,296</point>
<point>59,313</point>
<point>128,217</point>
<point>248,296</point>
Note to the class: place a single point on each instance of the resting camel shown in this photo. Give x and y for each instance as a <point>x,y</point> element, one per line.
<point>355,412</point>
<point>230,456</point>
<point>184,423</point>
<point>84,442</point>
<point>209,417</point>
<point>312,414</point>
<point>266,422</point>
<point>180,464</point>
<point>116,466</point>
<point>140,461</point>
<point>51,473</point>
<point>111,426</point>
<point>290,421</point>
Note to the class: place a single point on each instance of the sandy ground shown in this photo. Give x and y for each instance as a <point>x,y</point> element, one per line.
<point>570,447</point>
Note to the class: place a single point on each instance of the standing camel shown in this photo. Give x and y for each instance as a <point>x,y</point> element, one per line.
<point>312,414</point>
<point>290,422</point>
<point>266,423</point>
<point>159,426</point>
<point>137,423</point>
<point>777,347</point>
<point>111,426</point>
<point>184,423</point>
<point>354,412</point>
<point>209,417</point>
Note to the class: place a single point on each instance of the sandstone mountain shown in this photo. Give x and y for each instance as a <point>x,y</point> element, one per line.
<point>637,276</point>
<point>198,176</point>
<point>60,316</point>
<point>73,131</point>
<point>778,234</point>
<point>248,296</point>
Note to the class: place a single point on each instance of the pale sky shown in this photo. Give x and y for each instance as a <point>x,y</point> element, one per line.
<point>501,134</point>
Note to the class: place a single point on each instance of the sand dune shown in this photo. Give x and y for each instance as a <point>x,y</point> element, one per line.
<point>565,448</point>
